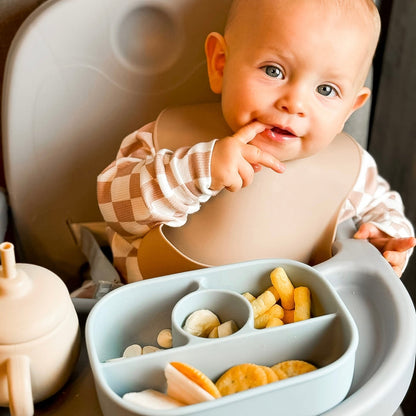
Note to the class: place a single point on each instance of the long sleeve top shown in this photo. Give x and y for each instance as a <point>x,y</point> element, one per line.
<point>144,187</point>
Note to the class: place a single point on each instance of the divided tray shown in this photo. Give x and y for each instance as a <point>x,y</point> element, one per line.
<point>136,313</point>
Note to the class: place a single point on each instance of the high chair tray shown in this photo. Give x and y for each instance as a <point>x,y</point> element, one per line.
<point>364,371</point>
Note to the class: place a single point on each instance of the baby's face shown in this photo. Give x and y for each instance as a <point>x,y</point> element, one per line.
<point>295,69</point>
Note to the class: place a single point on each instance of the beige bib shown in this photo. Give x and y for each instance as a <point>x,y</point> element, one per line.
<point>291,215</point>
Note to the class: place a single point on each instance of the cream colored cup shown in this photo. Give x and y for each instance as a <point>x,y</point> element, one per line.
<point>39,334</point>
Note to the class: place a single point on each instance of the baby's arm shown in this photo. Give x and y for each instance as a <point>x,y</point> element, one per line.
<point>144,187</point>
<point>379,213</point>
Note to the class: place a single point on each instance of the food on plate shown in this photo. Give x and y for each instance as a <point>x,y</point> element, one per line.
<point>135,350</point>
<point>201,322</point>
<point>270,374</point>
<point>248,296</point>
<point>302,297</point>
<point>271,317</point>
<point>132,351</point>
<point>214,332</point>
<point>205,323</point>
<point>149,349</point>
<point>281,303</point>
<point>241,377</point>
<point>223,330</point>
<point>288,316</point>
<point>275,292</point>
<point>189,385</point>
<point>262,303</point>
<point>284,287</point>
<point>292,368</point>
<point>164,338</point>
<point>152,399</point>
<point>274,321</point>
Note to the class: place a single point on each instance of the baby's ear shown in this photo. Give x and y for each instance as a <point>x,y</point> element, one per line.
<point>361,98</point>
<point>215,51</point>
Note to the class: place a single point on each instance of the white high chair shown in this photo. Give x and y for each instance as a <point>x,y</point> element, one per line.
<point>81,75</point>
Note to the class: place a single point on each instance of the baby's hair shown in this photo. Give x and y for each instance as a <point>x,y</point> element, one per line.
<point>361,8</point>
<point>358,6</point>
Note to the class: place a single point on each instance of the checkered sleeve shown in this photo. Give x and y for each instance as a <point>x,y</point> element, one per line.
<point>144,187</point>
<point>372,201</point>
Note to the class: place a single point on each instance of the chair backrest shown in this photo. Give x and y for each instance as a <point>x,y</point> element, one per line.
<point>80,75</point>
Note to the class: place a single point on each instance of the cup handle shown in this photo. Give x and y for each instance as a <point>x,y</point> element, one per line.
<point>20,387</point>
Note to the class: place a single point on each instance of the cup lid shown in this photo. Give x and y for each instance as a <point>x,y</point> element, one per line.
<point>33,300</point>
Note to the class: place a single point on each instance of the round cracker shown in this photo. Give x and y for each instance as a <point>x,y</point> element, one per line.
<point>241,377</point>
<point>292,368</point>
<point>197,377</point>
<point>271,375</point>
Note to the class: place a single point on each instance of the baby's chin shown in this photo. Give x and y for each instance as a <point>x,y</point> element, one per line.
<point>284,153</point>
<point>287,151</point>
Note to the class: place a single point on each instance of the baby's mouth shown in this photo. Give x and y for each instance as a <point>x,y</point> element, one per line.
<point>279,134</point>
<point>282,132</point>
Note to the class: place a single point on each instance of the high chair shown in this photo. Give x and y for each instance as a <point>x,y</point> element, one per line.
<point>80,76</point>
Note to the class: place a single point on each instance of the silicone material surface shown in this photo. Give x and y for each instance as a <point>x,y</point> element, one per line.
<point>357,277</point>
<point>137,312</point>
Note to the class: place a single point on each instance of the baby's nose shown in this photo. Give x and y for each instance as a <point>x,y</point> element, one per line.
<point>292,101</point>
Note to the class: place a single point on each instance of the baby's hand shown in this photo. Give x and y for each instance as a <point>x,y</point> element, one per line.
<point>234,161</point>
<point>392,249</point>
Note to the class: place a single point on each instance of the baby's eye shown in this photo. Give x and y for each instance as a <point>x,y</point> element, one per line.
<point>327,90</point>
<point>273,71</point>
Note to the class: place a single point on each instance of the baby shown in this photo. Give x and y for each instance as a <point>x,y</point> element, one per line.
<point>290,73</point>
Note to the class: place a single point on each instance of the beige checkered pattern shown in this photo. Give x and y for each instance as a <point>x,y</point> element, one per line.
<point>143,188</point>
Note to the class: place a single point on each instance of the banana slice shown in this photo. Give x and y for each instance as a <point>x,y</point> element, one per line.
<point>164,338</point>
<point>227,328</point>
<point>214,332</point>
<point>183,389</point>
<point>201,322</point>
<point>132,351</point>
<point>152,399</point>
<point>149,349</point>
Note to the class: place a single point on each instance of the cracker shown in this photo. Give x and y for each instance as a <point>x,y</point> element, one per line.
<point>197,377</point>
<point>241,377</point>
<point>270,374</point>
<point>292,368</point>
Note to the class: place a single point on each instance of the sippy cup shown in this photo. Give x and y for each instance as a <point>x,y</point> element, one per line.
<point>39,334</point>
